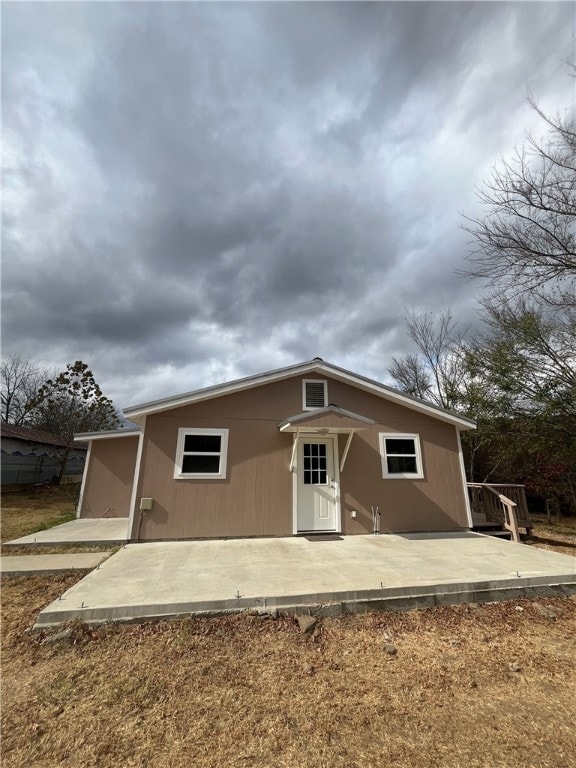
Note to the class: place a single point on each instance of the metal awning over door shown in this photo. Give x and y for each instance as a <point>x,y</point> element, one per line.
<point>331,420</point>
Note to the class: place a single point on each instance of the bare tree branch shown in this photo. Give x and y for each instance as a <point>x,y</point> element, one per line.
<point>19,381</point>
<point>526,240</point>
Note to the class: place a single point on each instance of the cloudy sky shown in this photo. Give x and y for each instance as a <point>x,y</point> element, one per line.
<point>199,191</point>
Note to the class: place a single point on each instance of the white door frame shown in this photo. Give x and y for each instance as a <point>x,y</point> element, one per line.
<point>303,437</point>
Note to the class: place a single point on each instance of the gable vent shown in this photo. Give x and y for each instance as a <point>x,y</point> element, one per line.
<point>315,394</point>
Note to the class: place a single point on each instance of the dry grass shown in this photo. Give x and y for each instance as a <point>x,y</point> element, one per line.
<point>27,512</point>
<point>249,692</point>
<point>563,526</point>
<point>557,534</point>
<point>24,513</point>
<point>57,549</point>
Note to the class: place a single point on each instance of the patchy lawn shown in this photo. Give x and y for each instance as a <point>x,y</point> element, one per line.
<point>24,513</point>
<point>491,685</point>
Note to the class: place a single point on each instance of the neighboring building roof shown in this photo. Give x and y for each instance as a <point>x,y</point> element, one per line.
<point>32,435</point>
<point>318,366</point>
<point>110,433</point>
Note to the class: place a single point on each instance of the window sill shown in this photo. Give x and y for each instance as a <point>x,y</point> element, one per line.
<point>200,477</point>
<point>403,477</point>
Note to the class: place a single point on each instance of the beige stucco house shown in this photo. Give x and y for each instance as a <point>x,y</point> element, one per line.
<point>311,448</point>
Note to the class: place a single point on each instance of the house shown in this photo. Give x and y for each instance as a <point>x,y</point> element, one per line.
<point>31,456</point>
<point>311,448</point>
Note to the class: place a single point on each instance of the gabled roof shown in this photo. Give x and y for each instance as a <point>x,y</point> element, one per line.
<point>316,366</point>
<point>32,435</point>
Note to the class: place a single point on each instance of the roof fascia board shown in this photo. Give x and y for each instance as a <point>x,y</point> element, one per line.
<point>313,366</point>
<point>381,390</point>
<point>83,437</point>
<point>218,390</point>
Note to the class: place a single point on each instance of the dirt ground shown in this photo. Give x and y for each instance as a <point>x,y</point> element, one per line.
<point>467,686</point>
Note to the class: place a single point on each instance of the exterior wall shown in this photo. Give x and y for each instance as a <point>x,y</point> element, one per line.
<point>435,503</point>
<point>109,477</point>
<point>255,499</point>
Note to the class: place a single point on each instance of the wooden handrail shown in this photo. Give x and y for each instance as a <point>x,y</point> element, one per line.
<point>498,485</point>
<point>510,521</point>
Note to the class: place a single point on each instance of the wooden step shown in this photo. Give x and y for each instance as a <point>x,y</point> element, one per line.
<point>500,533</point>
<point>487,527</point>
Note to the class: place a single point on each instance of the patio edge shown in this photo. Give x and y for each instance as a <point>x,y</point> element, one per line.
<point>325,604</point>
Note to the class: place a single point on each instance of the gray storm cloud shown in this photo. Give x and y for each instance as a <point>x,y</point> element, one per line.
<point>200,191</point>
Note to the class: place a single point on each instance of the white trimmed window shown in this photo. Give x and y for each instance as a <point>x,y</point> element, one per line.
<point>314,394</point>
<point>201,454</point>
<point>401,456</point>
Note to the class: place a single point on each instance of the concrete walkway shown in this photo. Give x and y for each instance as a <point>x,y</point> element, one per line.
<point>101,532</point>
<point>357,572</point>
<point>28,565</point>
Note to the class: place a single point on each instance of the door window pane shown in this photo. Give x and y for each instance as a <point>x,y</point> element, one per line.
<point>315,469</point>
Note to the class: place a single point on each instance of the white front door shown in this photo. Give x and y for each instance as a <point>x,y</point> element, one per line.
<point>316,485</point>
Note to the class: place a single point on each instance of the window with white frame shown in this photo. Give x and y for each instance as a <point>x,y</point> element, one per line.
<point>401,456</point>
<point>314,394</point>
<point>201,454</point>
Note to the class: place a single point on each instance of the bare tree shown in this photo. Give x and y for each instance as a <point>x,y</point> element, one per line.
<point>19,381</point>
<point>524,365</point>
<point>526,239</point>
<point>437,373</point>
<point>411,376</point>
<point>447,371</point>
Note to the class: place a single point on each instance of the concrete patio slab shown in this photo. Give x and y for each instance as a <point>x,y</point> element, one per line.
<point>29,565</point>
<point>108,530</point>
<point>144,581</point>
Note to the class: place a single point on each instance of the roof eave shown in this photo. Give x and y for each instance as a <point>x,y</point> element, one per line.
<point>461,422</point>
<point>84,437</point>
<point>218,390</point>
